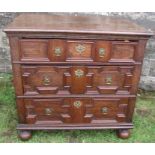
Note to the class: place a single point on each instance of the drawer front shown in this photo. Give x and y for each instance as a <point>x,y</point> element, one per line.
<point>56,50</point>
<point>48,80</point>
<point>77,110</point>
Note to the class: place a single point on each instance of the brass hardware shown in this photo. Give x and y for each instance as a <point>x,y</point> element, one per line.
<point>79,73</point>
<point>101,52</point>
<point>80,48</point>
<point>77,104</point>
<point>104,110</point>
<point>48,111</point>
<point>57,51</point>
<point>46,81</point>
<point>109,80</point>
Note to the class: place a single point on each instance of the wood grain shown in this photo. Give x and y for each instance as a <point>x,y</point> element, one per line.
<point>75,24</point>
<point>75,72</point>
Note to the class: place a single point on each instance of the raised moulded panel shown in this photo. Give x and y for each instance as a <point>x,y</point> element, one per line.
<point>34,49</point>
<point>102,51</point>
<point>43,80</point>
<point>123,51</point>
<point>110,79</point>
<point>57,50</point>
<point>109,110</point>
<point>42,111</point>
<point>80,51</point>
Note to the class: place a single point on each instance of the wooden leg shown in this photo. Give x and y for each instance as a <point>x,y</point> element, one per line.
<point>24,134</point>
<point>123,133</point>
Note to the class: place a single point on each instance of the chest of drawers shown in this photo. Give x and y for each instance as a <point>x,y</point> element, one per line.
<point>75,72</point>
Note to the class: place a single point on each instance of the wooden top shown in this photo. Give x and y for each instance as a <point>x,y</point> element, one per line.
<point>75,24</point>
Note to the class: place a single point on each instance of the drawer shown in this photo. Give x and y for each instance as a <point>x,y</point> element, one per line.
<point>77,110</point>
<point>50,80</point>
<point>56,50</point>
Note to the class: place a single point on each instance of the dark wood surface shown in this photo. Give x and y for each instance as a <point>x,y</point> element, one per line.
<point>64,110</point>
<point>44,50</point>
<point>75,72</point>
<point>77,126</point>
<point>62,80</point>
<point>75,24</point>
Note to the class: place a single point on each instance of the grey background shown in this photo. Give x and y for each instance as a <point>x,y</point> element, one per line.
<point>147,20</point>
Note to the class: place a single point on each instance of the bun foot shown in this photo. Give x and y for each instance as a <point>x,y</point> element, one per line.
<point>123,133</point>
<point>25,135</point>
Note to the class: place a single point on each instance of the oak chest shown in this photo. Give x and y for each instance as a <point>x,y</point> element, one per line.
<point>75,72</point>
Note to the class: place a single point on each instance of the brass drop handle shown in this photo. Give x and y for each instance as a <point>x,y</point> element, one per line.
<point>104,110</point>
<point>48,111</point>
<point>77,104</point>
<point>79,73</point>
<point>101,52</point>
<point>46,80</point>
<point>57,51</point>
<point>80,48</point>
<point>109,80</point>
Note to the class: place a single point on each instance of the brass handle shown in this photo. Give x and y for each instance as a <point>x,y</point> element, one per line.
<point>101,52</point>
<point>80,48</point>
<point>57,51</point>
<point>77,104</point>
<point>46,81</point>
<point>109,80</point>
<point>48,111</point>
<point>104,110</point>
<point>79,73</point>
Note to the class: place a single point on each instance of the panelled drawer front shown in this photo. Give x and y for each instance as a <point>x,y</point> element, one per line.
<point>57,50</point>
<point>48,80</point>
<point>77,110</point>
